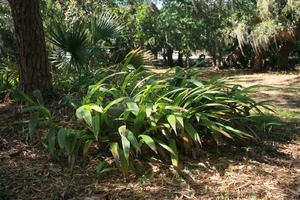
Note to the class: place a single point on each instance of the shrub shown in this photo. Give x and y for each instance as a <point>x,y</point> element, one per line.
<point>137,111</point>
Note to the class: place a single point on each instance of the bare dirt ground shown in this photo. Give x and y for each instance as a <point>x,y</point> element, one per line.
<point>282,89</point>
<point>269,169</point>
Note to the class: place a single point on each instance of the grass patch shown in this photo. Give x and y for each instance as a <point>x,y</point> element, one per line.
<point>287,115</point>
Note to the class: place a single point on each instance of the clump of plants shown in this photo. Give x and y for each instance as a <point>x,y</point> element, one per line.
<point>139,112</point>
<point>134,112</point>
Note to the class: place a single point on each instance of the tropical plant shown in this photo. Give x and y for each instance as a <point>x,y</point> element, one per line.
<point>8,77</point>
<point>39,114</point>
<point>71,46</point>
<point>70,141</point>
<point>78,46</point>
<point>139,57</point>
<point>137,110</point>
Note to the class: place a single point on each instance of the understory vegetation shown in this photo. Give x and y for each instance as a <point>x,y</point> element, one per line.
<point>133,113</point>
<point>128,82</point>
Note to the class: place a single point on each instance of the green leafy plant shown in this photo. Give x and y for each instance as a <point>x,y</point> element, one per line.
<point>8,77</point>
<point>69,141</point>
<point>79,44</point>
<point>103,27</point>
<point>71,46</point>
<point>39,114</point>
<point>138,57</point>
<point>167,114</point>
<point>101,168</point>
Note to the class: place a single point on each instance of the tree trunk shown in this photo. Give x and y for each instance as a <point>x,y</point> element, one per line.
<point>170,57</point>
<point>287,48</point>
<point>187,60</point>
<point>283,55</point>
<point>215,62</point>
<point>32,55</point>
<point>258,62</point>
<point>164,54</point>
<point>180,59</point>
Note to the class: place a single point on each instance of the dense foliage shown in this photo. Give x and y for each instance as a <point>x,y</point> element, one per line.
<point>134,112</point>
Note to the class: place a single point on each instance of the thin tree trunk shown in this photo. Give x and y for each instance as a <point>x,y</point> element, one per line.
<point>164,54</point>
<point>187,60</point>
<point>33,60</point>
<point>180,59</point>
<point>258,62</point>
<point>170,57</point>
<point>215,62</point>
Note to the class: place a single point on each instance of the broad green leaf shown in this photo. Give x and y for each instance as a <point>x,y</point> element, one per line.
<point>131,137</point>
<point>148,110</point>
<point>101,168</point>
<point>46,112</point>
<point>133,107</point>
<point>125,82</point>
<point>87,146</point>
<point>192,131</point>
<point>126,147</point>
<point>139,120</point>
<point>196,82</point>
<point>22,96</point>
<point>38,95</point>
<point>33,124</point>
<point>165,146</point>
<point>149,141</point>
<point>235,131</point>
<point>62,138</point>
<point>95,87</point>
<point>84,113</point>
<point>179,98</point>
<point>114,148</point>
<point>51,140</point>
<point>141,83</point>
<point>114,102</point>
<point>179,118</point>
<point>96,125</point>
<point>174,157</point>
<point>176,108</point>
<point>122,130</point>
<point>97,108</point>
<point>172,121</point>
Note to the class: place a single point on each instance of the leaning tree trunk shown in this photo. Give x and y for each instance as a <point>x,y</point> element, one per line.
<point>33,60</point>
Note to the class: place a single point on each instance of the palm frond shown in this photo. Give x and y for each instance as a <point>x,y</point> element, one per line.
<point>104,26</point>
<point>138,57</point>
<point>71,46</point>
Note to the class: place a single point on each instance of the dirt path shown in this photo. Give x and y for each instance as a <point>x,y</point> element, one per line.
<point>283,90</point>
<point>267,170</point>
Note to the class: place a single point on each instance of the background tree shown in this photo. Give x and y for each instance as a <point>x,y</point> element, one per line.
<point>271,24</point>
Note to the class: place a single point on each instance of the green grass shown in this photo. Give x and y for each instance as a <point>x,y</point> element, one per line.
<point>287,115</point>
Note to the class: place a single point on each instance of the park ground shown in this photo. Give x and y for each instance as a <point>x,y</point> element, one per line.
<point>266,169</point>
